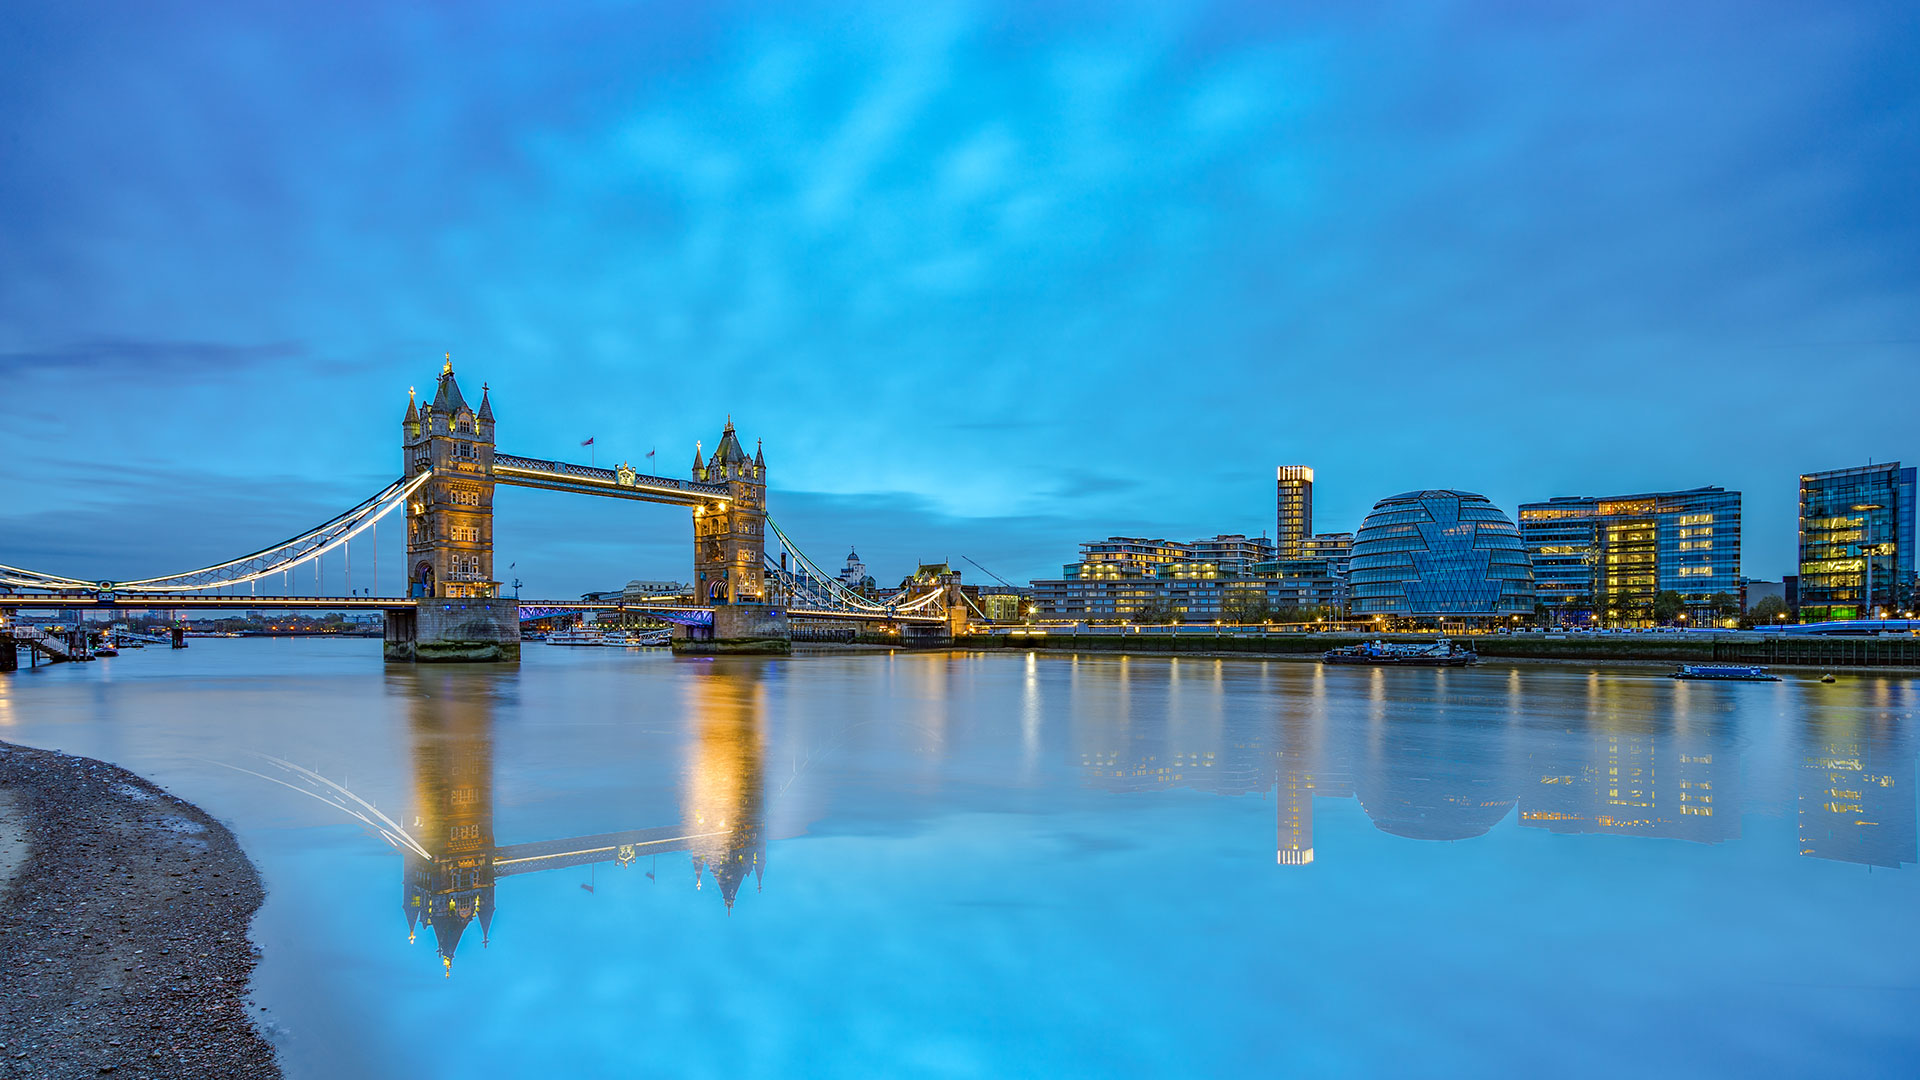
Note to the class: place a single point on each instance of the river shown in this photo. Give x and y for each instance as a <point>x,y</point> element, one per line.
<point>949,864</point>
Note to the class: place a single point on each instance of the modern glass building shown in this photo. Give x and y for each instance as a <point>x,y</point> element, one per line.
<point>1440,554</point>
<point>1615,553</point>
<point>1856,542</point>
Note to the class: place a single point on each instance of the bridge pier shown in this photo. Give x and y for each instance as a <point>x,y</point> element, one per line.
<point>918,635</point>
<point>469,630</point>
<point>738,628</point>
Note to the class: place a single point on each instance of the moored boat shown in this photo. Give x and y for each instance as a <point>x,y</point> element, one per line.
<point>1441,653</point>
<point>1725,673</point>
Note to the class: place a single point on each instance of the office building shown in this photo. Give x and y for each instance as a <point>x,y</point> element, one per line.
<point>1613,554</point>
<point>1440,554</point>
<point>1295,500</point>
<point>1856,543</point>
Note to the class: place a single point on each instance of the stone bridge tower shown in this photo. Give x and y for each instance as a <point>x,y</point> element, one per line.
<point>729,542</point>
<point>729,560</point>
<point>450,519</point>
<point>456,612</point>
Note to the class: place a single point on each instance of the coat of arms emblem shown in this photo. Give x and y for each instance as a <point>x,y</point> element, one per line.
<point>626,475</point>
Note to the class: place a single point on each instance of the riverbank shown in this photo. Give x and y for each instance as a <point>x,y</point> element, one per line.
<point>123,928</point>
<point>1696,647</point>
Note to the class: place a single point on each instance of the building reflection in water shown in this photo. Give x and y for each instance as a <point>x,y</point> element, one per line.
<point>1856,775</point>
<point>724,808</point>
<point>1435,756</point>
<point>1632,771</point>
<point>452,885</point>
<point>449,882</point>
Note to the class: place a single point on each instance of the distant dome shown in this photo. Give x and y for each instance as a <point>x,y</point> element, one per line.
<point>1440,553</point>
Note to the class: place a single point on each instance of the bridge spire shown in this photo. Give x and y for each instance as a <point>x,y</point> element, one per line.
<point>448,370</point>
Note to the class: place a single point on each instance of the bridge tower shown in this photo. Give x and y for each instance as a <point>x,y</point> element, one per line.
<point>729,556</point>
<point>457,614</point>
<point>729,541</point>
<point>450,519</point>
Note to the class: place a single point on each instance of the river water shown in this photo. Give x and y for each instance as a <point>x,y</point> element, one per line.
<point>623,863</point>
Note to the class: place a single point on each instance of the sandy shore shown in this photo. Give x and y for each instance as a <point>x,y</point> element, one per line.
<point>123,928</point>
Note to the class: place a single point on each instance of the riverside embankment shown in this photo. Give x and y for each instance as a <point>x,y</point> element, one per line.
<point>1684,648</point>
<point>123,928</point>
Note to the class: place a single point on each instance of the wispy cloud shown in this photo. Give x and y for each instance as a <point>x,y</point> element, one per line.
<point>986,254</point>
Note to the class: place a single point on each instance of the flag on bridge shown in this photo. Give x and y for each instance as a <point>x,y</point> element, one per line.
<point>589,441</point>
<point>650,453</point>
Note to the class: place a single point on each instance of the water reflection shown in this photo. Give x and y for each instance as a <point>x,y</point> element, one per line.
<point>452,884</point>
<point>1855,801</point>
<point>725,810</point>
<point>1428,756</point>
<point>450,881</point>
<point>1430,759</point>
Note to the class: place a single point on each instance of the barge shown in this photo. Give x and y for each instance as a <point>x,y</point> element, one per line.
<point>1442,653</point>
<point>1725,673</point>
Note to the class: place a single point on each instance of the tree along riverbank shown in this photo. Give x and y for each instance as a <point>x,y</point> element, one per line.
<point>123,928</point>
<point>1692,647</point>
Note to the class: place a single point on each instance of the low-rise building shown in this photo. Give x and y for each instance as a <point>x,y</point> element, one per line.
<point>1225,578</point>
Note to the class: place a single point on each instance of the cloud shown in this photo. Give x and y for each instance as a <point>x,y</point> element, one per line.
<point>146,359</point>
<point>962,250</point>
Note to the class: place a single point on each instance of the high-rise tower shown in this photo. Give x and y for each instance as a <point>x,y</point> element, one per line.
<point>450,518</point>
<point>1295,510</point>
<point>729,539</point>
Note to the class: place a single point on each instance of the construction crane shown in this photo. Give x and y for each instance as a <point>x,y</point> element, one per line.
<point>990,573</point>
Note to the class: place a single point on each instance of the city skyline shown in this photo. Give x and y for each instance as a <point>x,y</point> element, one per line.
<point>988,282</point>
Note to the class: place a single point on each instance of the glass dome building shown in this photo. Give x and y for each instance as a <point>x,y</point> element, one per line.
<point>1440,554</point>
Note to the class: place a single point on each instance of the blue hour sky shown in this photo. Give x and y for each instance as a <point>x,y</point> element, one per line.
<point>987,279</point>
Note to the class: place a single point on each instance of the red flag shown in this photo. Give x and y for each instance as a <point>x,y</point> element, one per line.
<point>589,441</point>
<point>649,453</point>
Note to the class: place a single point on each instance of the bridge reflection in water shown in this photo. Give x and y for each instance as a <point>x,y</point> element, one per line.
<point>1427,756</point>
<point>452,885</point>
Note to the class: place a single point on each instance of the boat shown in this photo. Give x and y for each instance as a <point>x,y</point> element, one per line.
<point>1441,653</point>
<point>106,647</point>
<point>614,639</point>
<point>1725,673</point>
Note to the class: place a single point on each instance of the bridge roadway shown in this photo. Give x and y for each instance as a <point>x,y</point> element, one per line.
<point>580,850</point>
<point>622,484</point>
<point>77,601</point>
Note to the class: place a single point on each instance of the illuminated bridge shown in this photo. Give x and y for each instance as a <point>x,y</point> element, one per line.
<point>751,581</point>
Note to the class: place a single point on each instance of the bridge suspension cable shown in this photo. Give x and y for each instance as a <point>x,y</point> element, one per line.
<point>810,586</point>
<point>280,558</point>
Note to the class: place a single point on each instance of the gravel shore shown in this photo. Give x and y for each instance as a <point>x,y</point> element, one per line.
<point>123,928</point>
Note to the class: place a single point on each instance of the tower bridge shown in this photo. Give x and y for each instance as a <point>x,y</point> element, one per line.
<point>746,596</point>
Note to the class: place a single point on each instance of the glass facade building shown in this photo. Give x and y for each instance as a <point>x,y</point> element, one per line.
<point>1856,542</point>
<point>1440,554</point>
<point>1615,553</point>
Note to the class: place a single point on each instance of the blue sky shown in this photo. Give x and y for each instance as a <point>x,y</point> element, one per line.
<point>988,279</point>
